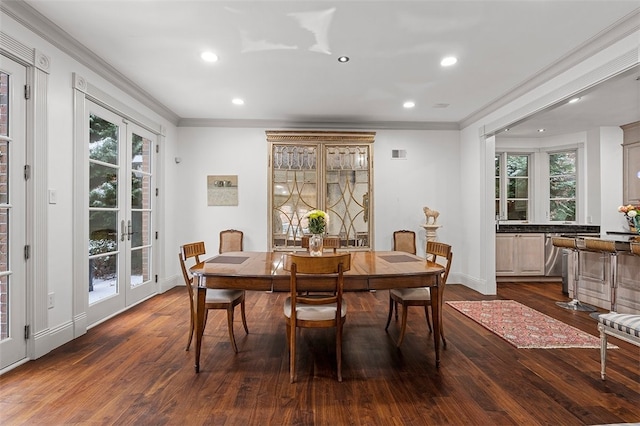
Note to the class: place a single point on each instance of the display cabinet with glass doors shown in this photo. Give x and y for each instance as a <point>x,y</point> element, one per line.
<point>329,171</point>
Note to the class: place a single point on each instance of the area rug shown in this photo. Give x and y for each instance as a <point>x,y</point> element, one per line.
<point>524,327</point>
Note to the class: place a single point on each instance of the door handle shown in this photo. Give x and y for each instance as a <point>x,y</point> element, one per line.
<point>122,230</point>
<point>129,230</point>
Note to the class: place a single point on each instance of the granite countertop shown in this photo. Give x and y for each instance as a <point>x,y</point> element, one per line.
<point>544,228</point>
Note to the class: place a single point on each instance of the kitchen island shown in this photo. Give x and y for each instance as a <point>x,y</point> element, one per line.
<point>607,270</point>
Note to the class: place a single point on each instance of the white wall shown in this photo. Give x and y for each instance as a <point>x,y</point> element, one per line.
<point>427,177</point>
<point>60,172</point>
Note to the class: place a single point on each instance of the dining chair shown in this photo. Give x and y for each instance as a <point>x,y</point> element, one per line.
<point>327,243</point>
<point>230,240</point>
<point>404,240</point>
<point>421,296</point>
<point>315,310</point>
<point>226,299</point>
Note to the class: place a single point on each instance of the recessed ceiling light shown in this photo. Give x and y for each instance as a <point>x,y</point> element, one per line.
<point>507,129</point>
<point>541,130</point>
<point>448,61</point>
<point>209,56</point>
<point>409,104</point>
<point>574,100</point>
<point>237,101</point>
<point>343,59</point>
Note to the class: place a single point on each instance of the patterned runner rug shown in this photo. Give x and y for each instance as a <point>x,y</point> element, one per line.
<point>524,327</point>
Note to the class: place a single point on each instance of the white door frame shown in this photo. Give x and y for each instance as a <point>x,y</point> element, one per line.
<point>85,92</point>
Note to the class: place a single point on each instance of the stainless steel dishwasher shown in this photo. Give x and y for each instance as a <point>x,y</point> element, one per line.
<point>555,263</point>
<point>552,256</point>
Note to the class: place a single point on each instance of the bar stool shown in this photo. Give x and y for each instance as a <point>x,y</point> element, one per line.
<point>622,326</point>
<point>571,244</point>
<point>608,248</point>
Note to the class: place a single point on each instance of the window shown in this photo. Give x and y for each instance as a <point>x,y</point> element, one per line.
<point>562,186</point>
<point>512,186</point>
<point>320,170</point>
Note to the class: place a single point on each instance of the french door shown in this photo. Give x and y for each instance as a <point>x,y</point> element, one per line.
<point>13,303</point>
<point>121,217</point>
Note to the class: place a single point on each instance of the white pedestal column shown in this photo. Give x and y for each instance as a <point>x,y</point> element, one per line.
<point>431,231</point>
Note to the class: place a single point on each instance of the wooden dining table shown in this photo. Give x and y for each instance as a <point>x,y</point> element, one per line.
<point>263,271</point>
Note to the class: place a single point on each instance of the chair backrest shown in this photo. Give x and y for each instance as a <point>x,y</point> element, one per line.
<point>436,250</point>
<point>319,265</point>
<point>230,240</point>
<point>327,243</point>
<point>189,251</point>
<point>404,240</point>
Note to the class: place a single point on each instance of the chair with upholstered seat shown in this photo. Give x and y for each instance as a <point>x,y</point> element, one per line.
<point>231,240</point>
<point>404,240</point>
<point>226,299</point>
<point>436,252</point>
<point>314,309</point>
<point>625,326</point>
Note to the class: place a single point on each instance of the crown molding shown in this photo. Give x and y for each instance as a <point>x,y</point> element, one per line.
<point>605,38</point>
<point>43,27</point>
<point>382,125</point>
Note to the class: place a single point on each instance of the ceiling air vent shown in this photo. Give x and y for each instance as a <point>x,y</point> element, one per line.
<point>398,154</point>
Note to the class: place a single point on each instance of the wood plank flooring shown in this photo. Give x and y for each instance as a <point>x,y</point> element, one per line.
<point>133,369</point>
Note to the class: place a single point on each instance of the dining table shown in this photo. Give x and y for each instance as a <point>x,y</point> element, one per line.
<point>263,271</point>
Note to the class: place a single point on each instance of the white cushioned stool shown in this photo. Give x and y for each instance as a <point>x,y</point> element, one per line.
<point>623,326</point>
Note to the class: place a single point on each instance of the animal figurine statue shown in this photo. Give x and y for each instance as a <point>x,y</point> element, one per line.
<point>430,214</point>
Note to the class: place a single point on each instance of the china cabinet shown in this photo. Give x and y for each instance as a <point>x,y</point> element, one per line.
<point>330,171</point>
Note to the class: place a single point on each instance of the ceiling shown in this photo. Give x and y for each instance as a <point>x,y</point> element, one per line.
<point>281,57</point>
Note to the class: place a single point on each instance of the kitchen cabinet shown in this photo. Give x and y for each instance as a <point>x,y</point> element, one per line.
<point>631,162</point>
<point>519,254</point>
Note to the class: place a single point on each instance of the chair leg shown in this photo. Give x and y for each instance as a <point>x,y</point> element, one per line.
<point>444,341</point>
<point>339,349</point>
<point>244,317</point>
<point>230,326</point>
<point>603,351</point>
<point>191,329</point>
<point>390,313</point>
<point>292,352</point>
<point>426,314</point>
<point>404,324</point>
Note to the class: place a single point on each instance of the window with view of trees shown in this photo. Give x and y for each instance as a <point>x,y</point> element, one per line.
<point>512,186</point>
<point>562,186</point>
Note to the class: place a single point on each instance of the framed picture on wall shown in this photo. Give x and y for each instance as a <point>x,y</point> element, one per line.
<point>222,190</point>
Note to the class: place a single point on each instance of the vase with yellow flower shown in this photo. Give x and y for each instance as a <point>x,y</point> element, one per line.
<point>318,221</point>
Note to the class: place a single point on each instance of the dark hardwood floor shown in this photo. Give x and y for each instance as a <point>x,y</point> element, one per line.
<point>133,369</point>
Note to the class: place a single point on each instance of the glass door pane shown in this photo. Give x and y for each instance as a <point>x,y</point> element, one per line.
<point>141,199</point>
<point>347,194</point>
<point>13,212</point>
<point>104,183</point>
<point>295,192</point>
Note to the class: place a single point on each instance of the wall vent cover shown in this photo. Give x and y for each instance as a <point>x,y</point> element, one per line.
<point>398,153</point>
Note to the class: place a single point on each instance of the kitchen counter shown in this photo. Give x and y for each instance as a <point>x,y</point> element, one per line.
<point>547,228</point>
<point>622,240</point>
<point>607,272</point>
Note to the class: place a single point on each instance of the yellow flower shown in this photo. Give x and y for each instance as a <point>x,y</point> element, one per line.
<point>318,220</point>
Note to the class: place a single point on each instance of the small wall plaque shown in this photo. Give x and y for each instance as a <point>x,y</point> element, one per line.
<point>222,190</point>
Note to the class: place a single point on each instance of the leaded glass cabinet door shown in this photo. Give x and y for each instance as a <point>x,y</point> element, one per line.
<point>327,171</point>
<point>347,193</point>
